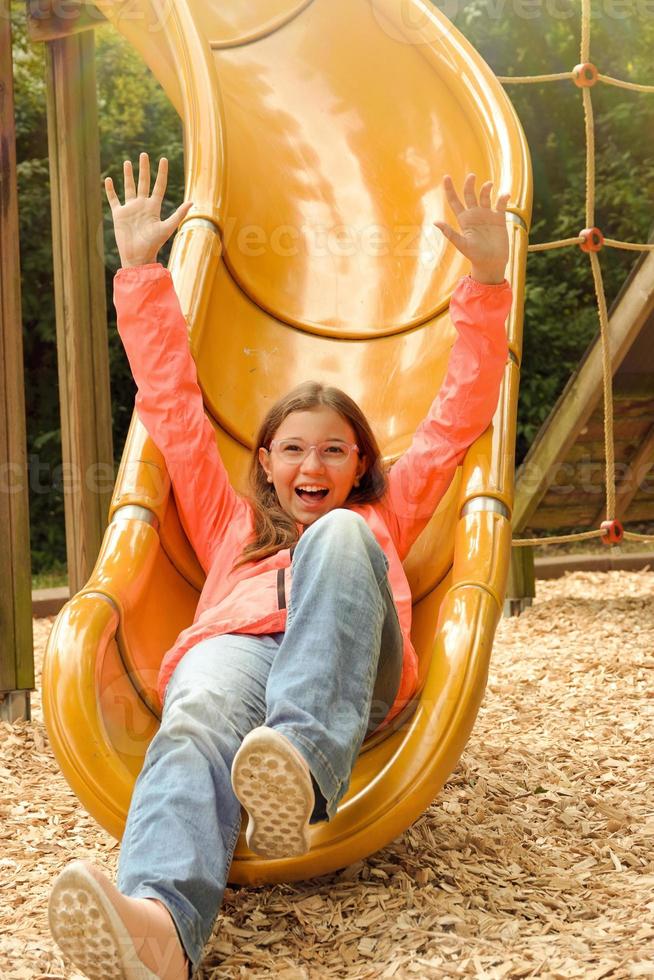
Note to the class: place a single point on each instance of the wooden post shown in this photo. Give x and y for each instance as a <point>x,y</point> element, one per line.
<point>78,255</point>
<point>16,641</point>
<point>521,587</point>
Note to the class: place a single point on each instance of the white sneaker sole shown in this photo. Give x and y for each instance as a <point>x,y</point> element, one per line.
<point>271,780</point>
<point>88,930</point>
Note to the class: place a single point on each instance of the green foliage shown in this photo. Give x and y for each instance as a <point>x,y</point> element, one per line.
<point>55,577</point>
<point>39,331</point>
<point>134,114</point>
<point>529,37</point>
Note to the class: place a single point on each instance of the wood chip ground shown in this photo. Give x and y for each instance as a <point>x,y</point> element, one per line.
<point>536,860</point>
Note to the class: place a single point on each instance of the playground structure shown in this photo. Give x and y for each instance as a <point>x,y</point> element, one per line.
<point>474,585</point>
<point>16,639</point>
<point>332,116</point>
<point>82,346</point>
<point>561,482</point>
<point>554,449</point>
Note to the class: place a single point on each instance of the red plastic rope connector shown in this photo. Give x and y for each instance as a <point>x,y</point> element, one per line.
<point>584,76</point>
<point>613,532</point>
<point>593,240</point>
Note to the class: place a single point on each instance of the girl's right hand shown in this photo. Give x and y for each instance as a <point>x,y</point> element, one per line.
<point>138,227</point>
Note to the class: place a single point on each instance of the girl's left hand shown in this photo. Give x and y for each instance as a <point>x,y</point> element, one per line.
<point>483,238</point>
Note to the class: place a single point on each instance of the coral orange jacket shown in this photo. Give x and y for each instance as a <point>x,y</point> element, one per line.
<point>219,521</point>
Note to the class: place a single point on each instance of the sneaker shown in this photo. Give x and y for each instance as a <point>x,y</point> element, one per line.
<point>272,780</point>
<point>97,927</point>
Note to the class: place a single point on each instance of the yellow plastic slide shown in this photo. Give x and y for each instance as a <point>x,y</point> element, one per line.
<point>317,133</point>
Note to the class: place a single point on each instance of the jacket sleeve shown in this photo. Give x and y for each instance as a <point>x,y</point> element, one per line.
<point>169,403</point>
<point>461,411</point>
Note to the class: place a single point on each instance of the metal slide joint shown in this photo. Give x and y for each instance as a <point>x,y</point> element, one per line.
<point>477,504</point>
<point>134,512</point>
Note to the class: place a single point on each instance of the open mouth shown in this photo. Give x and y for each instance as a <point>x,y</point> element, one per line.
<point>311,496</point>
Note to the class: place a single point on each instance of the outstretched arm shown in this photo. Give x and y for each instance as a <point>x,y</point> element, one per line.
<point>467,399</point>
<point>154,332</point>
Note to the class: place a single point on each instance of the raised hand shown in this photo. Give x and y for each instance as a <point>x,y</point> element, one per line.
<point>483,238</point>
<point>138,227</point>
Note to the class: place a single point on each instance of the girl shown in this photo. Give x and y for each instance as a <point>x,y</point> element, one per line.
<point>268,696</point>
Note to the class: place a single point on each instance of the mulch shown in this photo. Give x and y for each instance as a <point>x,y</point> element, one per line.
<point>536,860</point>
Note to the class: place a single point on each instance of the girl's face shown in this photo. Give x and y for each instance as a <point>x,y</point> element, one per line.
<point>294,481</point>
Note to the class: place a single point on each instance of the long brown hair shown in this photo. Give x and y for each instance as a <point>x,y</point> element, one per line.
<point>274,529</point>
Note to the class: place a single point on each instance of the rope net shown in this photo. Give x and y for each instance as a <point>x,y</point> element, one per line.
<point>591,240</point>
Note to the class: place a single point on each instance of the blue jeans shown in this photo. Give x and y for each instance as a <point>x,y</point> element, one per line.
<point>326,683</point>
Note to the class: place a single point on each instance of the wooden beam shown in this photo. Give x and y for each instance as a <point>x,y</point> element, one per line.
<point>581,396</point>
<point>78,256</point>
<point>521,584</point>
<point>16,642</point>
<point>634,387</point>
<point>628,487</point>
<point>50,21</point>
